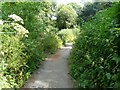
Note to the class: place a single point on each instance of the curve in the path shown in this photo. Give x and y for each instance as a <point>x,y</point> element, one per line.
<point>53,72</point>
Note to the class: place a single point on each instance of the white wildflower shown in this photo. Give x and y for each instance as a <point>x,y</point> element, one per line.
<point>16,18</point>
<point>26,35</point>
<point>20,29</point>
<point>2,53</point>
<point>1,22</point>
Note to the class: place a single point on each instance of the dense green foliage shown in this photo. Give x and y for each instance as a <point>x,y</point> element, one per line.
<point>68,35</point>
<point>78,10</point>
<point>13,59</point>
<point>29,12</point>
<point>51,40</point>
<point>29,31</point>
<point>66,17</point>
<point>95,57</point>
<point>90,9</point>
<point>67,21</point>
<point>23,55</point>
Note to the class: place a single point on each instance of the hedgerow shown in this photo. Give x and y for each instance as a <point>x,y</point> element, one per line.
<point>22,51</point>
<point>13,61</point>
<point>95,58</point>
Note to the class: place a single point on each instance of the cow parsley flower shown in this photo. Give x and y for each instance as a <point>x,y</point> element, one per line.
<point>16,18</point>
<point>20,29</point>
<point>1,22</point>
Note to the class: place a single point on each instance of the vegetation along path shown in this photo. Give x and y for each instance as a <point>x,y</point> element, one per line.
<point>53,72</point>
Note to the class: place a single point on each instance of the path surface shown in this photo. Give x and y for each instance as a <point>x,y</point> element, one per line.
<point>53,72</point>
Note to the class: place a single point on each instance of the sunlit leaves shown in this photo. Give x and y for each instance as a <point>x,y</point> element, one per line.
<point>12,57</point>
<point>96,50</point>
<point>22,54</point>
<point>66,17</point>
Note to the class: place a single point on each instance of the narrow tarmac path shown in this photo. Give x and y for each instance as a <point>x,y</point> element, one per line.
<point>53,72</point>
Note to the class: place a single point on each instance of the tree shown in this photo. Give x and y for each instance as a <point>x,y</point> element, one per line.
<point>76,7</point>
<point>78,10</point>
<point>66,17</point>
<point>90,9</point>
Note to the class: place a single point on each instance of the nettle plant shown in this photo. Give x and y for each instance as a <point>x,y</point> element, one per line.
<point>13,60</point>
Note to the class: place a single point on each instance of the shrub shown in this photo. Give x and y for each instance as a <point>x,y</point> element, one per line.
<point>68,35</point>
<point>23,55</point>
<point>13,60</point>
<point>29,13</point>
<point>95,59</point>
<point>51,43</point>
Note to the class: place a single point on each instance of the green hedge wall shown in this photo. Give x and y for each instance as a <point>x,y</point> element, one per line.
<point>95,58</point>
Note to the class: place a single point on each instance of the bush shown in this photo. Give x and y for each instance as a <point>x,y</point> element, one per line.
<point>68,35</point>
<point>23,55</point>
<point>13,60</point>
<point>95,58</point>
<point>51,43</point>
<point>29,13</point>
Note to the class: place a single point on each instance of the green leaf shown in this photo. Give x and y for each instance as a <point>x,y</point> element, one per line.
<point>108,75</point>
<point>114,77</point>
